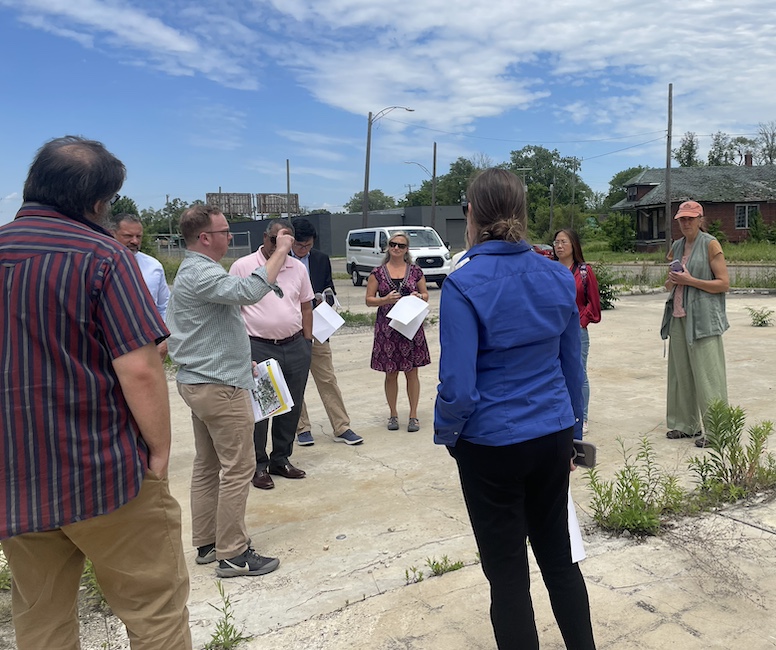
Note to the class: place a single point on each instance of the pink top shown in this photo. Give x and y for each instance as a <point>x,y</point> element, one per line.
<point>273,317</point>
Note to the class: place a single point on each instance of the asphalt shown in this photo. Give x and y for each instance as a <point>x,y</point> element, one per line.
<point>369,518</point>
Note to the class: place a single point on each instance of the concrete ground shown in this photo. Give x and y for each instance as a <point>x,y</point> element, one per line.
<point>368,518</point>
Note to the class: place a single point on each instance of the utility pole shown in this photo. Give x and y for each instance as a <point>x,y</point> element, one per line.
<point>667,182</point>
<point>433,190</point>
<point>288,189</point>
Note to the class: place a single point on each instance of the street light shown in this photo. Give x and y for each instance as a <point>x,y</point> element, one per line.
<point>371,121</point>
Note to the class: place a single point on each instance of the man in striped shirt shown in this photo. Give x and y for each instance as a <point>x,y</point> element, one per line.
<point>84,414</point>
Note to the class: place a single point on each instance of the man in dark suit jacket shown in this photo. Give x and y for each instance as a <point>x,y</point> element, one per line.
<point>321,366</point>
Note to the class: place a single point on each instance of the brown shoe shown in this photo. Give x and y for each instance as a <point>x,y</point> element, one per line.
<point>287,471</point>
<point>262,480</point>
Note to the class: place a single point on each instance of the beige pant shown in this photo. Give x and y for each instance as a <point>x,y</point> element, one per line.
<point>222,418</point>
<point>137,555</point>
<point>322,369</point>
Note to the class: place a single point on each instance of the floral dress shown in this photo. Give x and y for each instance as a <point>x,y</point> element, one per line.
<point>391,351</point>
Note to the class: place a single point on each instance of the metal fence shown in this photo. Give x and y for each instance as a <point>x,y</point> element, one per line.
<point>173,247</point>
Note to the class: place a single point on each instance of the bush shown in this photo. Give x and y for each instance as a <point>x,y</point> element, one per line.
<point>758,231</point>
<point>606,285</point>
<point>715,230</point>
<point>619,230</point>
<point>762,317</point>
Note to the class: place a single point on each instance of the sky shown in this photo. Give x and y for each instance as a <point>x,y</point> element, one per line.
<point>194,96</point>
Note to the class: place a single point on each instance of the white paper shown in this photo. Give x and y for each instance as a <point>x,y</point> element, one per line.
<point>326,321</point>
<point>271,396</point>
<point>408,330</point>
<point>575,534</point>
<point>407,309</point>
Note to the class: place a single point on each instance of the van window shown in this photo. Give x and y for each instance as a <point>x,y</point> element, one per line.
<point>383,241</point>
<point>363,239</point>
<point>421,238</point>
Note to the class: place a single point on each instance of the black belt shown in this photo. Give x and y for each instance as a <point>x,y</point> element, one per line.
<point>288,339</point>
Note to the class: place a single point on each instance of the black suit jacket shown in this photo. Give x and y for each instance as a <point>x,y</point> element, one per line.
<point>320,272</point>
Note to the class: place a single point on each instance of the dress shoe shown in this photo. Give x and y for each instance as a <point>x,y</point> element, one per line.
<point>262,480</point>
<point>287,471</point>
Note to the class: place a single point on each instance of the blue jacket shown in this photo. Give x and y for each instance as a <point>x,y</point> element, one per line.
<point>510,368</point>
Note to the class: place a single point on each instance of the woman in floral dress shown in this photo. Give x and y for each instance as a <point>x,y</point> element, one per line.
<point>392,352</point>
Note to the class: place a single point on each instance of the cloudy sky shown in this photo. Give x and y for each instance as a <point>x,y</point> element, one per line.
<point>196,95</point>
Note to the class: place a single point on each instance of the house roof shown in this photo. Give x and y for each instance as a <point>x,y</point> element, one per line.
<point>728,184</point>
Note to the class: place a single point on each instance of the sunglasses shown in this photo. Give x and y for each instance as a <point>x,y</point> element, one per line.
<point>273,239</point>
<point>465,207</point>
<point>395,244</point>
<point>115,199</point>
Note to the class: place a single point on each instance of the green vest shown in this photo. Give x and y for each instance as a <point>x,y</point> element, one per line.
<point>705,311</point>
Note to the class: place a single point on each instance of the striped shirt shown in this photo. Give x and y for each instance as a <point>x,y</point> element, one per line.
<point>73,301</point>
<point>207,334</point>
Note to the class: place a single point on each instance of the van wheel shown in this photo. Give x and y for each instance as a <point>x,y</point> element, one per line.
<point>439,283</point>
<point>356,278</point>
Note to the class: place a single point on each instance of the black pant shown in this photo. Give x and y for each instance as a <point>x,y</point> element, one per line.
<point>515,492</point>
<point>294,360</point>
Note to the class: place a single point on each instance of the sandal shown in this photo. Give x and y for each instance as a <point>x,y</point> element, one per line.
<point>413,425</point>
<point>393,423</point>
<point>675,434</point>
<point>702,442</point>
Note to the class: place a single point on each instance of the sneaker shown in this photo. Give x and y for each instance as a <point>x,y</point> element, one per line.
<point>349,437</point>
<point>305,439</point>
<point>584,427</point>
<point>393,423</point>
<point>413,425</point>
<point>249,563</point>
<point>206,554</point>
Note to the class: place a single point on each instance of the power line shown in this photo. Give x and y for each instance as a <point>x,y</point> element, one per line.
<point>601,155</point>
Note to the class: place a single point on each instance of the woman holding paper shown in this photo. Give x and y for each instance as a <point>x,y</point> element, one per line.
<point>508,408</point>
<point>392,352</point>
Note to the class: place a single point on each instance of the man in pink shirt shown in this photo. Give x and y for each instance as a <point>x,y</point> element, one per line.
<point>280,328</point>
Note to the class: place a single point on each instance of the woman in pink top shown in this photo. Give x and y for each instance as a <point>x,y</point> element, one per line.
<point>568,250</point>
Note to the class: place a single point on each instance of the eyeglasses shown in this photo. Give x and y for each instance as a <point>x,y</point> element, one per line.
<point>226,232</point>
<point>561,242</point>
<point>465,207</point>
<point>114,199</point>
<point>395,244</point>
<point>273,239</point>
<point>303,246</point>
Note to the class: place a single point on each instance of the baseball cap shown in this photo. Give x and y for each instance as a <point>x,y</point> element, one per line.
<point>689,209</point>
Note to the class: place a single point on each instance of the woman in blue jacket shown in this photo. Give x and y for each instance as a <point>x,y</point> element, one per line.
<point>508,406</point>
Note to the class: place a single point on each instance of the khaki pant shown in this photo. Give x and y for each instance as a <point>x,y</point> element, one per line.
<point>222,418</point>
<point>322,369</point>
<point>696,377</point>
<point>137,555</point>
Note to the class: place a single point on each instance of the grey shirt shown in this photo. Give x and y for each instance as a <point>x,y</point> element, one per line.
<point>207,334</point>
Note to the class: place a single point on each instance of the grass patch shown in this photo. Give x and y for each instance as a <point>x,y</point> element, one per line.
<point>356,319</point>
<point>91,588</point>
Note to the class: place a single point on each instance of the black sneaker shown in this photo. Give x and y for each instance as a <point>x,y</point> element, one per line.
<point>249,563</point>
<point>206,554</point>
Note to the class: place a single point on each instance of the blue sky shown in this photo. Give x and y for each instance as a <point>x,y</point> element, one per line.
<point>194,95</point>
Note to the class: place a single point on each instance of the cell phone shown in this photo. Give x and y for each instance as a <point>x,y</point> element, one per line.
<point>584,454</point>
<point>676,266</point>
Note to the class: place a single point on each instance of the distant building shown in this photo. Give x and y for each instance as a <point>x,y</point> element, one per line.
<point>730,195</point>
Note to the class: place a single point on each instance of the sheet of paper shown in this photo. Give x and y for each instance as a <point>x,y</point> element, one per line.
<point>409,330</point>
<point>575,534</point>
<point>407,309</point>
<point>271,396</point>
<point>326,321</point>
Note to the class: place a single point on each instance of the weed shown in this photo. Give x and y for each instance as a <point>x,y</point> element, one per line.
<point>443,566</point>
<point>412,575</point>
<point>92,590</point>
<point>733,470</point>
<point>638,496</point>
<point>355,319</point>
<point>5,573</point>
<point>226,636</point>
<point>762,317</point>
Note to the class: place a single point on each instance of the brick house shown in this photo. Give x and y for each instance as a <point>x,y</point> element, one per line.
<point>731,195</point>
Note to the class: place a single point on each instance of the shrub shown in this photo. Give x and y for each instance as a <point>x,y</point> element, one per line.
<point>715,230</point>
<point>606,285</point>
<point>619,230</point>
<point>761,317</point>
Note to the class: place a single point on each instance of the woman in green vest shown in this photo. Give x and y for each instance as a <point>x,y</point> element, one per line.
<point>694,319</point>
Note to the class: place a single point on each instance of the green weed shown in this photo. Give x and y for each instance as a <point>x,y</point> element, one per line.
<point>5,573</point>
<point>443,566</point>
<point>412,575</point>
<point>91,588</point>
<point>357,319</point>
<point>761,317</point>
<point>226,636</point>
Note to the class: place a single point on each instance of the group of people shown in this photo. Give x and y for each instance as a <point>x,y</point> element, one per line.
<point>86,419</point>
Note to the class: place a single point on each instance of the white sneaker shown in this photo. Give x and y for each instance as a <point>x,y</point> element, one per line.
<point>584,427</point>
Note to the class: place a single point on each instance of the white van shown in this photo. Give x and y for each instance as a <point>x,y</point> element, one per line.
<point>365,249</point>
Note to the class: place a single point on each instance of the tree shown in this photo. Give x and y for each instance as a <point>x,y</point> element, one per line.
<point>125,205</point>
<point>161,221</point>
<point>766,143</point>
<point>377,201</point>
<point>722,150</point>
<point>686,154</point>
<point>742,146</point>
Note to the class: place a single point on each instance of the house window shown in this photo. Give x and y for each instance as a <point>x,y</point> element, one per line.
<point>632,193</point>
<point>744,214</point>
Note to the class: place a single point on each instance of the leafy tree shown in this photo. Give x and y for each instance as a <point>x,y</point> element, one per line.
<point>378,200</point>
<point>766,143</point>
<point>686,154</point>
<point>160,221</point>
<point>722,150</point>
<point>125,205</point>
<point>619,230</point>
<point>451,187</point>
<point>617,191</point>
<point>742,146</point>
<point>319,211</point>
